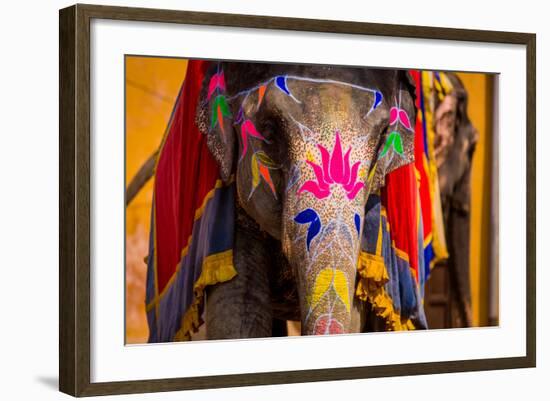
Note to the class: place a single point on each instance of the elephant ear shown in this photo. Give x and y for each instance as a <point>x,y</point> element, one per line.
<point>396,144</point>
<point>215,120</point>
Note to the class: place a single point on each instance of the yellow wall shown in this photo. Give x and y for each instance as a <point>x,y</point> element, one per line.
<point>480,91</point>
<point>152,85</point>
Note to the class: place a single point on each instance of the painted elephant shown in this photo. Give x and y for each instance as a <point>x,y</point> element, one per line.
<point>306,145</point>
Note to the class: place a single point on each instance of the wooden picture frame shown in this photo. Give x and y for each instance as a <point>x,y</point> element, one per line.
<point>74,199</point>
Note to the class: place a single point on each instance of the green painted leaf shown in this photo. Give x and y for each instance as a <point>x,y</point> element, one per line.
<point>214,118</point>
<point>397,143</point>
<point>387,145</point>
<point>394,139</point>
<point>221,102</point>
<point>219,108</point>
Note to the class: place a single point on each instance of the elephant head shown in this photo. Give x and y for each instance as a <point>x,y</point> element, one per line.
<point>306,146</point>
<point>454,145</point>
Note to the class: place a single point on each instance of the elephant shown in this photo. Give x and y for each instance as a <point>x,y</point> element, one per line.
<point>306,145</point>
<point>454,145</point>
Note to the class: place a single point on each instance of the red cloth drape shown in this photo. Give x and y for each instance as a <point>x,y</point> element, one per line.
<point>400,197</point>
<point>185,173</point>
<point>420,160</point>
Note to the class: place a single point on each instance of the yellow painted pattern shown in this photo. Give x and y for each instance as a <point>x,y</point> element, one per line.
<point>340,284</point>
<point>325,279</point>
<point>309,156</point>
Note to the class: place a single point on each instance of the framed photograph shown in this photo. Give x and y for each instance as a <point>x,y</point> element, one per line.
<point>249,200</point>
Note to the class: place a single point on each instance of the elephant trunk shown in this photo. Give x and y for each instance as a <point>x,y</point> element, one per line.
<point>322,244</point>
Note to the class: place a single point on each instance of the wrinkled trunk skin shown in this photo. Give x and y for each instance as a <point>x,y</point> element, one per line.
<point>321,234</point>
<point>326,274</point>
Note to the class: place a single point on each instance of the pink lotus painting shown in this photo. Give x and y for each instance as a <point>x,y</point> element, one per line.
<point>335,170</point>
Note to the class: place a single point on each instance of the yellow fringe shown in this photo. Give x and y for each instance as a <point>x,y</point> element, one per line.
<point>216,268</point>
<point>372,273</point>
<point>373,276</point>
<point>198,214</point>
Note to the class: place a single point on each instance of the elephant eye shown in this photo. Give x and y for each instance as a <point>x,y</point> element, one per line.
<point>269,130</point>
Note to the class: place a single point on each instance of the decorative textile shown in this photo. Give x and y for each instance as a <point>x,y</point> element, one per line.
<point>400,197</point>
<point>434,84</point>
<point>192,222</point>
<point>428,85</point>
<point>424,176</point>
<point>387,279</point>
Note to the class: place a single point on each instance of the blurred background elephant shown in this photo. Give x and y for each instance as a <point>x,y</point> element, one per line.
<point>454,145</point>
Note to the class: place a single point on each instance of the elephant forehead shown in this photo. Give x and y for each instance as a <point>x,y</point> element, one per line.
<point>325,109</point>
<point>332,101</point>
<point>330,98</point>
